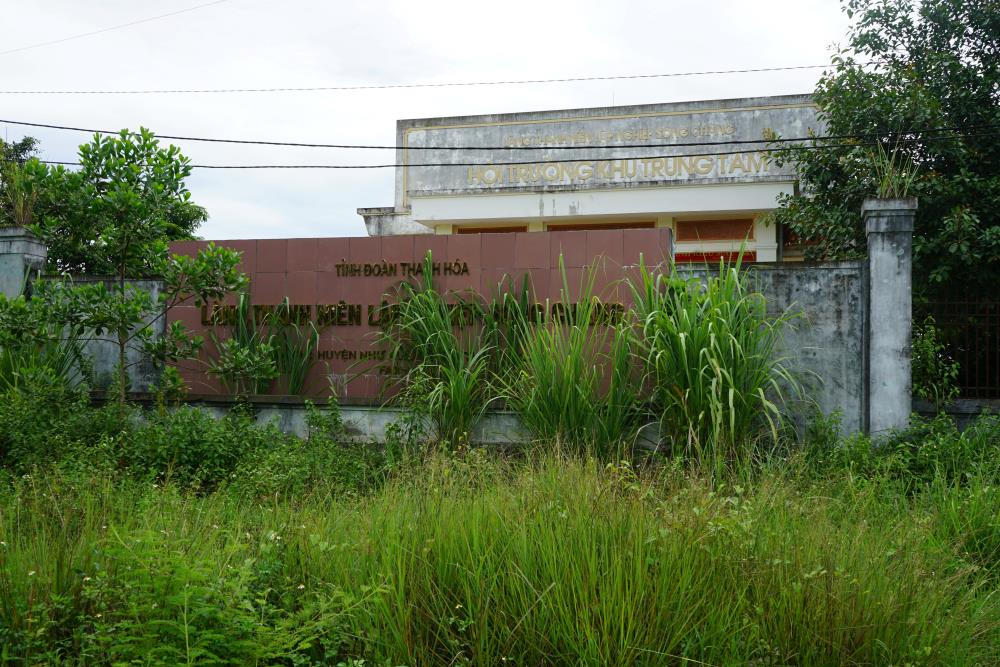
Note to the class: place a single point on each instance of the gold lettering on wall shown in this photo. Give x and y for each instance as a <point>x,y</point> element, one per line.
<point>580,171</point>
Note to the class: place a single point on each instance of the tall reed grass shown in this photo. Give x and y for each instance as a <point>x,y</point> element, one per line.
<point>712,356</point>
<point>263,347</point>
<point>37,345</point>
<point>294,344</point>
<point>438,354</point>
<point>573,379</point>
<point>699,357</point>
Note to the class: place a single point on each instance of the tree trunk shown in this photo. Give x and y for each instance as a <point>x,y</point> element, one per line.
<point>122,342</point>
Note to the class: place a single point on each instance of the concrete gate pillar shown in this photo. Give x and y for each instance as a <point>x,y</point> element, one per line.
<point>889,224</point>
<point>21,253</point>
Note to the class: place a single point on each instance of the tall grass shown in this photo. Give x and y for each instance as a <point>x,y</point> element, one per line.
<point>263,347</point>
<point>438,354</point>
<point>711,352</point>
<point>573,379</point>
<point>244,361</point>
<point>698,357</point>
<point>294,344</point>
<point>554,561</point>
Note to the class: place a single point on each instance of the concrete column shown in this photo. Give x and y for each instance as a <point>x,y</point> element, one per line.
<point>889,224</point>
<point>765,240</point>
<point>21,253</point>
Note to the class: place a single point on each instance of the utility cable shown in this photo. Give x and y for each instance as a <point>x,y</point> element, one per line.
<point>397,86</point>
<point>495,148</point>
<point>563,160</point>
<point>110,28</point>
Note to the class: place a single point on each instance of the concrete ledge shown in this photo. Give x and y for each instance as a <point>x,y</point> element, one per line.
<point>364,423</point>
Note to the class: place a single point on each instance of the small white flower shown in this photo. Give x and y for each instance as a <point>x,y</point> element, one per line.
<point>31,574</point>
<point>301,586</point>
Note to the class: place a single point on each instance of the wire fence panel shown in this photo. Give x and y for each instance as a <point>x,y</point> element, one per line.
<point>970,327</point>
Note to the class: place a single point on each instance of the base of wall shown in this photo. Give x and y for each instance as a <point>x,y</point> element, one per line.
<point>964,410</point>
<point>364,423</point>
<point>371,423</point>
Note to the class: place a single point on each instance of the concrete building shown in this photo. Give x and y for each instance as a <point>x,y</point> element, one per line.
<point>696,167</point>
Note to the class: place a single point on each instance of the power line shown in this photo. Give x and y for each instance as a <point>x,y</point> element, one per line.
<point>557,161</point>
<point>396,86</point>
<point>110,28</point>
<point>728,142</point>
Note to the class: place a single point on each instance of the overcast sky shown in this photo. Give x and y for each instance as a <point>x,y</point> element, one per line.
<point>264,43</point>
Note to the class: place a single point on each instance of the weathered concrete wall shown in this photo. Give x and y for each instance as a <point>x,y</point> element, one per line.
<point>21,254</point>
<point>828,337</point>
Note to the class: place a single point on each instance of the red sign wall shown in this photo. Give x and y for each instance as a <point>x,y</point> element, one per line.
<point>339,284</point>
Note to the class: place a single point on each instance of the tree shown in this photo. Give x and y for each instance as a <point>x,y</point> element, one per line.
<point>929,95</point>
<point>114,218</point>
<point>128,312</point>
<point>117,212</point>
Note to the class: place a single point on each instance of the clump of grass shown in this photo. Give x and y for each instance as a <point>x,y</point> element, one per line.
<point>438,355</point>
<point>894,171</point>
<point>711,353</point>
<point>245,361</point>
<point>294,346</point>
<point>574,378</point>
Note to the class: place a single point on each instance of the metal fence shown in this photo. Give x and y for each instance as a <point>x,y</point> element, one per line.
<point>970,327</point>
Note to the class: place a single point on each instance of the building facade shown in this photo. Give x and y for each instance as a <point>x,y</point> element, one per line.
<point>698,168</point>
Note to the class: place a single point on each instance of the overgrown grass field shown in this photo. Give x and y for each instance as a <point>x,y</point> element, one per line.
<point>471,558</point>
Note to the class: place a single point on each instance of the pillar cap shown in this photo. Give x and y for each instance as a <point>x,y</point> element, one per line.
<point>889,215</point>
<point>878,205</point>
<point>16,232</point>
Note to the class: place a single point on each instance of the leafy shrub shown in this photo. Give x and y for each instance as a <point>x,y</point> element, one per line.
<point>928,451</point>
<point>38,342</point>
<point>244,369</point>
<point>194,449</point>
<point>263,348</point>
<point>325,460</point>
<point>43,421</point>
